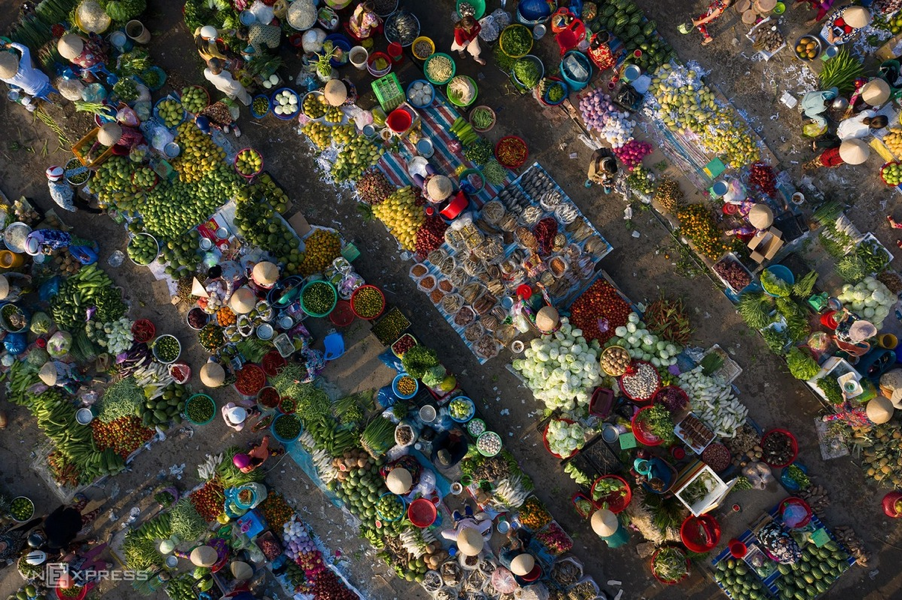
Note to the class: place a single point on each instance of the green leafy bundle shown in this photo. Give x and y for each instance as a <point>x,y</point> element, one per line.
<point>418,360</point>
<point>801,365</point>
<point>755,308</point>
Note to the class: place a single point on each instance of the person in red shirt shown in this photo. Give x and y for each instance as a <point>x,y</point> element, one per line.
<point>829,158</point>
<point>466,37</point>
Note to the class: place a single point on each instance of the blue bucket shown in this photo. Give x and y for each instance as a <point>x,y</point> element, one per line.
<point>573,82</point>
<point>720,188</point>
<point>121,41</point>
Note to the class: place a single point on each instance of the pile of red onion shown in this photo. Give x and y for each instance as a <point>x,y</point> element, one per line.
<point>430,235</point>
<point>632,153</point>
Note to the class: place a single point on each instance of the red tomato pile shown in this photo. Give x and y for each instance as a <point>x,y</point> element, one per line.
<point>124,435</point>
<point>249,380</point>
<point>325,585</point>
<point>276,511</point>
<point>209,500</point>
<point>599,311</point>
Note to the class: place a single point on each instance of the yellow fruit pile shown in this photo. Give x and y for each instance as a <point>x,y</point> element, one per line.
<point>893,141</point>
<point>320,248</point>
<point>401,216</point>
<point>199,155</point>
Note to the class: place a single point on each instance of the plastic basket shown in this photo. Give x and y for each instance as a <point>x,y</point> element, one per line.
<point>783,273</point>
<point>548,446</point>
<point>794,444</point>
<point>643,437</point>
<point>405,335</point>
<point>388,92</point>
<point>422,512</point>
<point>166,362</point>
<point>620,502</point>
<point>273,103</point>
<point>488,435</point>
<point>371,64</point>
<point>460,104</point>
<point>339,41</point>
<point>343,315</point>
<point>431,97</point>
<point>795,501</point>
<point>246,175</point>
<point>422,39</point>
<point>28,518</point>
<point>143,330</point>
<point>156,111</point>
<point>394,387</point>
<point>200,398</point>
<point>555,83</point>
<point>470,413</point>
<point>478,7</point>
<point>272,363</point>
<point>400,499</point>
<point>280,438</point>
<point>355,294</point>
<point>512,27</point>
<point>535,60</point>
<point>154,258</point>
<point>268,106</point>
<point>483,107</point>
<point>518,164</point>
<point>664,581</point>
<point>465,183</point>
<point>334,298</point>
<point>433,57</point>
<point>640,400</point>
<point>690,538</point>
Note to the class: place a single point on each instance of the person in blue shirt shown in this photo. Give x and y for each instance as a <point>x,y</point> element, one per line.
<point>18,71</point>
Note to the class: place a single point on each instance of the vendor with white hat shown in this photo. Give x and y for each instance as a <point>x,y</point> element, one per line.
<point>468,534</point>
<point>406,476</point>
<point>265,275</point>
<point>18,71</point>
<point>437,188</point>
<point>208,43</point>
<point>243,301</point>
<point>10,291</point>
<point>241,571</point>
<point>204,556</point>
<point>55,373</point>
<point>880,409</point>
<point>335,92</point>
<point>81,52</point>
<point>843,24</point>
<point>236,416</point>
<point>851,152</point>
<point>875,92</point>
<point>212,375</point>
<point>523,565</point>
<point>120,138</point>
<point>607,526</point>
<point>756,216</point>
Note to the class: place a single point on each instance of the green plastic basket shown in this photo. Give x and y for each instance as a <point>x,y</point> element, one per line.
<point>433,57</point>
<point>200,398</point>
<point>388,92</point>
<point>334,298</point>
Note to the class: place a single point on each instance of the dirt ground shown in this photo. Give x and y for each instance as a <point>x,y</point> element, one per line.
<point>638,264</point>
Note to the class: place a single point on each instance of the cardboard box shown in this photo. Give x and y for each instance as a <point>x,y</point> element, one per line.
<point>766,244</point>
<point>890,49</point>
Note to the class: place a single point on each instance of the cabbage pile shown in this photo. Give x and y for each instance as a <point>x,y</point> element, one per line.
<point>643,344</point>
<point>561,369</point>
<point>565,438</point>
<point>869,299</point>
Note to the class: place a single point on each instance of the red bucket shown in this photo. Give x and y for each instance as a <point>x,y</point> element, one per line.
<point>700,534</point>
<point>828,320</point>
<point>343,314</point>
<point>395,52</point>
<point>422,512</point>
<point>399,120</point>
<point>738,549</point>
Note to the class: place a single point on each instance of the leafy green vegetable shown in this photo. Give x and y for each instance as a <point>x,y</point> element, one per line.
<point>831,389</point>
<point>804,286</point>
<point>516,41</point>
<point>774,285</point>
<point>659,423</point>
<point>122,399</point>
<point>479,152</point>
<point>186,523</point>
<point>418,360</point>
<point>140,553</point>
<point>527,72</point>
<point>755,308</point>
<point>801,365</point>
<point>775,340</point>
<point>851,268</point>
<point>798,475</point>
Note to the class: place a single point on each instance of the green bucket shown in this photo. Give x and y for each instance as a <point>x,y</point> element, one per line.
<point>323,283</point>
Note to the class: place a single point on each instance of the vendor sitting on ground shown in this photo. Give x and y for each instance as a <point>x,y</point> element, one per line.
<point>449,448</point>
<point>842,25</point>
<point>814,105</point>
<point>603,168</point>
<point>853,152</point>
<point>757,217</point>
<point>437,188</point>
<point>469,532</point>
<point>120,137</point>
<point>600,51</point>
<point>217,116</point>
<point>654,472</point>
<point>256,456</point>
<point>864,123</point>
<point>236,416</point>
<point>401,475</point>
<point>364,22</point>
<point>522,564</point>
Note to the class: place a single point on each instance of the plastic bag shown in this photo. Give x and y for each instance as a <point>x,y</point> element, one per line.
<point>59,344</point>
<point>143,110</point>
<point>94,93</point>
<point>70,89</point>
<point>389,359</point>
<point>40,323</point>
<point>15,343</point>
<point>37,357</point>
<point>386,397</point>
<point>263,13</point>
<point>83,254</point>
<point>49,289</point>
<point>128,116</point>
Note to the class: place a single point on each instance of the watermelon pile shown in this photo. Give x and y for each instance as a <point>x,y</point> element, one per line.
<point>814,574</point>
<point>625,21</point>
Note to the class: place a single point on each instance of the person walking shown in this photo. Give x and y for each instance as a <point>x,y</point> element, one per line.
<point>66,523</point>
<point>206,41</point>
<point>224,82</point>
<point>821,6</point>
<point>715,10</point>
<point>18,71</point>
<point>63,193</point>
<point>466,37</point>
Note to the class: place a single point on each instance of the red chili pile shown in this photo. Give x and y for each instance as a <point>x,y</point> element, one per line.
<point>143,331</point>
<point>209,500</point>
<point>511,152</point>
<point>599,311</point>
<point>272,363</point>
<point>249,380</point>
<point>124,435</point>
<point>545,230</point>
<point>430,235</point>
<point>762,177</point>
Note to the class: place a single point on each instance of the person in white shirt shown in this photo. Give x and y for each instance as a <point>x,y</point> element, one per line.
<point>865,122</point>
<point>225,83</point>
<point>20,72</point>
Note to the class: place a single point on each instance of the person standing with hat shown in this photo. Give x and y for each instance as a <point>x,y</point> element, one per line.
<point>236,416</point>
<point>864,123</point>
<point>10,292</point>
<point>814,105</point>
<point>62,192</point>
<point>81,52</point>
<point>18,71</point>
<point>852,152</point>
<point>256,456</point>
<point>207,41</point>
<point>212,374</point>
<point>843,24</point>
<point>216,74</point>
<point>119,137</point>
<point>606,525</point>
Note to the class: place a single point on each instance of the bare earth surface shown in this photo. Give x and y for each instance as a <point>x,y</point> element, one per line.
<point>637,264</point>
